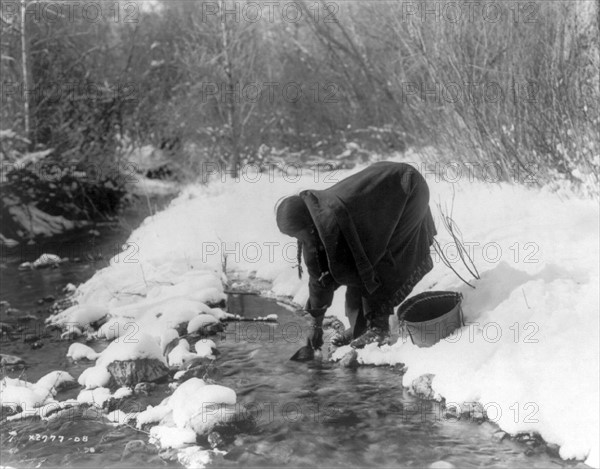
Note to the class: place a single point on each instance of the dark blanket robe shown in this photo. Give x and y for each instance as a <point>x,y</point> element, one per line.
<point>376,229</point>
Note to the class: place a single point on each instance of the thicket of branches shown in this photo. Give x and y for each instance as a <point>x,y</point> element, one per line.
<point>520,89</point>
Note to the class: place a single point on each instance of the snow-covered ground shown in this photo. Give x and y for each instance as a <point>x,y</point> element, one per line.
<point>529,353</point>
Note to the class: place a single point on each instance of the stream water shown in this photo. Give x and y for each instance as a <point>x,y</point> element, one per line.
<point>304,415</point>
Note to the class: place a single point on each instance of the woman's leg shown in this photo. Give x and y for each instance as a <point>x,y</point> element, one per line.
<point>353,305</point>
<point>356,317</point>
<point>355,311</point>
<point>377,324</point>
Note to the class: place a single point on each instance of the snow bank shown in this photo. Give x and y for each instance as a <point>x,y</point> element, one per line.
<point>530,348</point>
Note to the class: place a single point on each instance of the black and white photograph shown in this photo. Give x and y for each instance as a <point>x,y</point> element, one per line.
<point>299,234</point>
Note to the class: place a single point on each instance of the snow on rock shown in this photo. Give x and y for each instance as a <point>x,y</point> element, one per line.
<point>200,321</point>
<point>141,370</point>
<point>198,367</point>
<point>133,360</point>
<point>421,387</point>
<point>78,316</point>
<point>194,406</point>
<point>46,260</point>
<point>205,348</point>
<point>441,465</point>
<point>340,352</point>
<point>115,328</point>
<point>196,457</point>
<point>10,360</point>
<point>122,392</point>
<point>136,300</point>
<point>145,158</point>
<point>171,310</point>
<point>142,346</point>
<point>95,396</point>
<point>211,294</point>
<point>186,393</point>
<point>62,410</point>
<point>350,360</point>
<point>71,333</point>
<point>180,353</point>
<point>153,414</point>
<point>56,381</point>
<point>15,382</point>
<point>94,377</point>
<point>24,397</point>
<point>167,337</point>
<point>144,186</point>
<point>32,397</point>
<point>200,406</point>
<point>121,418</point>
<point>177,376</point>
<point>79,351</point>
<point>172,437</point>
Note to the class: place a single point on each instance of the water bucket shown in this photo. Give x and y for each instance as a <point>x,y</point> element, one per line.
<point>431,316</point>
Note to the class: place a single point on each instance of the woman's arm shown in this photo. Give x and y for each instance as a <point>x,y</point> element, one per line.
<point>320,295</point>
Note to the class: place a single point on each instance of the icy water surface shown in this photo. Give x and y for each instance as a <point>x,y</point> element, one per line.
<point>303,415</point>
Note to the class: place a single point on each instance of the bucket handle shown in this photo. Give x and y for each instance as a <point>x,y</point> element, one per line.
<point>407,329</point>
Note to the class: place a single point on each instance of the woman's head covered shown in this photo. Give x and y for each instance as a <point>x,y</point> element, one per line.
<point>292,216</point>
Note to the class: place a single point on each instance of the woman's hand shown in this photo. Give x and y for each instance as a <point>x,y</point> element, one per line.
<point>315,339</point>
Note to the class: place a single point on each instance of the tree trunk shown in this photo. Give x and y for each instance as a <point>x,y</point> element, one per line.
<point>25,83</point>
<point>232,112</point>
